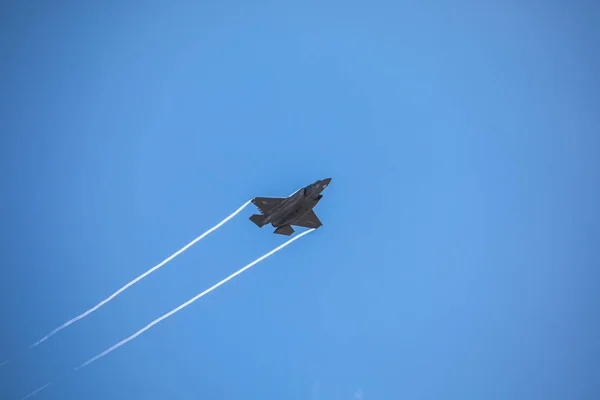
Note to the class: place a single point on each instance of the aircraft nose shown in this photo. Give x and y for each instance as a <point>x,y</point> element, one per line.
<point>326,181</point>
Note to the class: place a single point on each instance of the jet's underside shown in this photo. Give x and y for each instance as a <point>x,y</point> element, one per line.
<point>297,209</point>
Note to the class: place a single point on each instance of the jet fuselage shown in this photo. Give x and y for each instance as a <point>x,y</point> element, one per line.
<point>292,210</point>
<point>298,204</point>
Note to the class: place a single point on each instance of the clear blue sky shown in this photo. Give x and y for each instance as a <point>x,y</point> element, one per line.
<point>459,253</point>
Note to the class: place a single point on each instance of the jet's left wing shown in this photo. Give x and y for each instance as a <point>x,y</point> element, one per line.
<point>308,220</point>
<point>266,204</point>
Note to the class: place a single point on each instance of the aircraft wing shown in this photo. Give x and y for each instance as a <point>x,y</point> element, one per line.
<point>266,204</point>
<point>308,220</point>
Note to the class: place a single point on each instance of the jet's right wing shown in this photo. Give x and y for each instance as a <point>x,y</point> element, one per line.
<point>266,204</point>
<point>309,220</point>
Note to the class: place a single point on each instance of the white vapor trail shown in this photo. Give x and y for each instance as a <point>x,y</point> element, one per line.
<point>37,391</point>
<point>187,303</point>
<point>115,294</point>
<point>5,362</point>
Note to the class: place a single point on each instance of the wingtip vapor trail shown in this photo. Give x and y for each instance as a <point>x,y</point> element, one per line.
<point>36,391</point>
<point>64,375</point>
<point>187,303</point>
<point>122,289</point>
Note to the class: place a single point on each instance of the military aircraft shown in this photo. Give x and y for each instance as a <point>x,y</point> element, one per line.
<point>296,209</point>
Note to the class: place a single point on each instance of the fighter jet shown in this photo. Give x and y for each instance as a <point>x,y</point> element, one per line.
<point>296,209</point>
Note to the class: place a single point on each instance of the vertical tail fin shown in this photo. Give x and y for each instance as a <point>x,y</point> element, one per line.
<point>258,219</point>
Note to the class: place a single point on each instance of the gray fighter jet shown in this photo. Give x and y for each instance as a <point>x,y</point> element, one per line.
<point>296,209</point>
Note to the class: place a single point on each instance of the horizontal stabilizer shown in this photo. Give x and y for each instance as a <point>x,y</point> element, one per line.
<point>258,219</point>
<point>284,230</point>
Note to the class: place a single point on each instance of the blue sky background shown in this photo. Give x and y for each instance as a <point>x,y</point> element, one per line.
<point>459,253</point>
